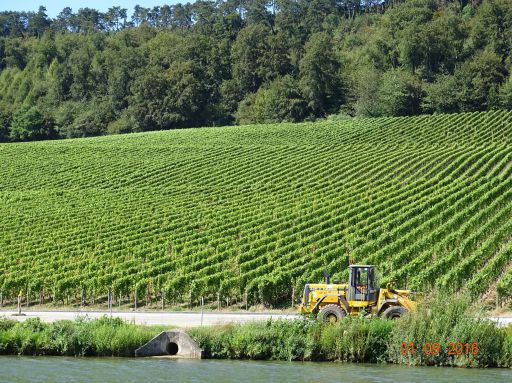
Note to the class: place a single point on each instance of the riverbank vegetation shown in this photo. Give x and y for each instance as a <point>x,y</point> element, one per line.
<point>439,320</point>
<point>206,63</point>
<point>82,337</point>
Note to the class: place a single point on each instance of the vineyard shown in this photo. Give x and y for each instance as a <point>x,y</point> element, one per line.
<point>248,213</point>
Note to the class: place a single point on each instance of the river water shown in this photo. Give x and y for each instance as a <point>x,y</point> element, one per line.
<point>125,370</point>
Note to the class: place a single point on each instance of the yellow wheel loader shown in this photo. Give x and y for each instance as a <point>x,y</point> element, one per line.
<point>361,295</point>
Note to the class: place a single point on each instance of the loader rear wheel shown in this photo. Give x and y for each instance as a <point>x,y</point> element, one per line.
<point>393,312</point>
<point>331,313</point>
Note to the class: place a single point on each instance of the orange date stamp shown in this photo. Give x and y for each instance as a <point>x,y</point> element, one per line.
<point>434,348</point>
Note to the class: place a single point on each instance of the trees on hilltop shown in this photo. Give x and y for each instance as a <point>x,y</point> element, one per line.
<point>208,63</point>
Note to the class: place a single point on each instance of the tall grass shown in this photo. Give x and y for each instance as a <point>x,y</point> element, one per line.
<point>356,340</point>
<point>438,319</point>
<point>443,319</point>
<point>99,337</point>
<point>353,339</point>
<point>506,356</point>
<point>283,340</point>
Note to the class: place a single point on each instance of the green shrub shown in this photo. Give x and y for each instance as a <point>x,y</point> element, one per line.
<point>353,339</point>
<point>62,338</point>
<point>442,319</point>
<point>81,337</point>
<point>274,339</point>
<point>439,319</point>
<point>506,354</point>
<point>6,323</point>
<point>28,337</point>
<point>356,340</point>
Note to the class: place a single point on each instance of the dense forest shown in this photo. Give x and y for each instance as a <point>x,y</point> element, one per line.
<point>213,63</point>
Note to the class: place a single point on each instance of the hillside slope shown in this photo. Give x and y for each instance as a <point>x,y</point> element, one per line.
<point>260,209</point>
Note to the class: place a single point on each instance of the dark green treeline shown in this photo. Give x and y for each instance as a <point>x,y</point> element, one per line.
<point>217,63</point>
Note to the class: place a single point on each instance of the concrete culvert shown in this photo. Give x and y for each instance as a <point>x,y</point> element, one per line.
<point>172,343</point>
<point>172,348</point>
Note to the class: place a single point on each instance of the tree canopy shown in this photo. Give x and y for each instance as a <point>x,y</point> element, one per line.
<point>212,63</point>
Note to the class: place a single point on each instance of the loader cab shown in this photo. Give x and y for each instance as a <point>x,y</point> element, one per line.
<point>362,285</point>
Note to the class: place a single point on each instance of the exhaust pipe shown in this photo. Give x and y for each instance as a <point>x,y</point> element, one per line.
<point>327,277</point>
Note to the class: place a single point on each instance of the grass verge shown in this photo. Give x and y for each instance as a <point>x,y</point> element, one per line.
<point>82,337</point>
<point>442,331</point>
<point>438,320</point>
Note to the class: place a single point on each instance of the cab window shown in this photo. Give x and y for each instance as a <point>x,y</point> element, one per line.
<point>362,277</point>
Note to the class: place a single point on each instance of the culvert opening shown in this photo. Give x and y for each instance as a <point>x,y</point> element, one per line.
<point>172,348</point>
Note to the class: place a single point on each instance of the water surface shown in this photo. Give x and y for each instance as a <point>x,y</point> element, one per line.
<point>126,370</point>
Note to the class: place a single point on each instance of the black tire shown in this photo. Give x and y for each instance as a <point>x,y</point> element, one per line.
<point>331,313</point>
<point>393,312</point>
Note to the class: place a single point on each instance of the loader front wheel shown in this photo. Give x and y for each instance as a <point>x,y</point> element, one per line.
<point>331,314</point>
<point>393,312</point>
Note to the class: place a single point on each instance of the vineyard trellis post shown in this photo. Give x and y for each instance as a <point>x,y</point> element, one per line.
<point>246,303</point>
<point>202,313</point>
<point>218,300</point>
<point>293,296</point>
<point>110,301</point>
<point>19,303</point>
<point>27,300</point>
